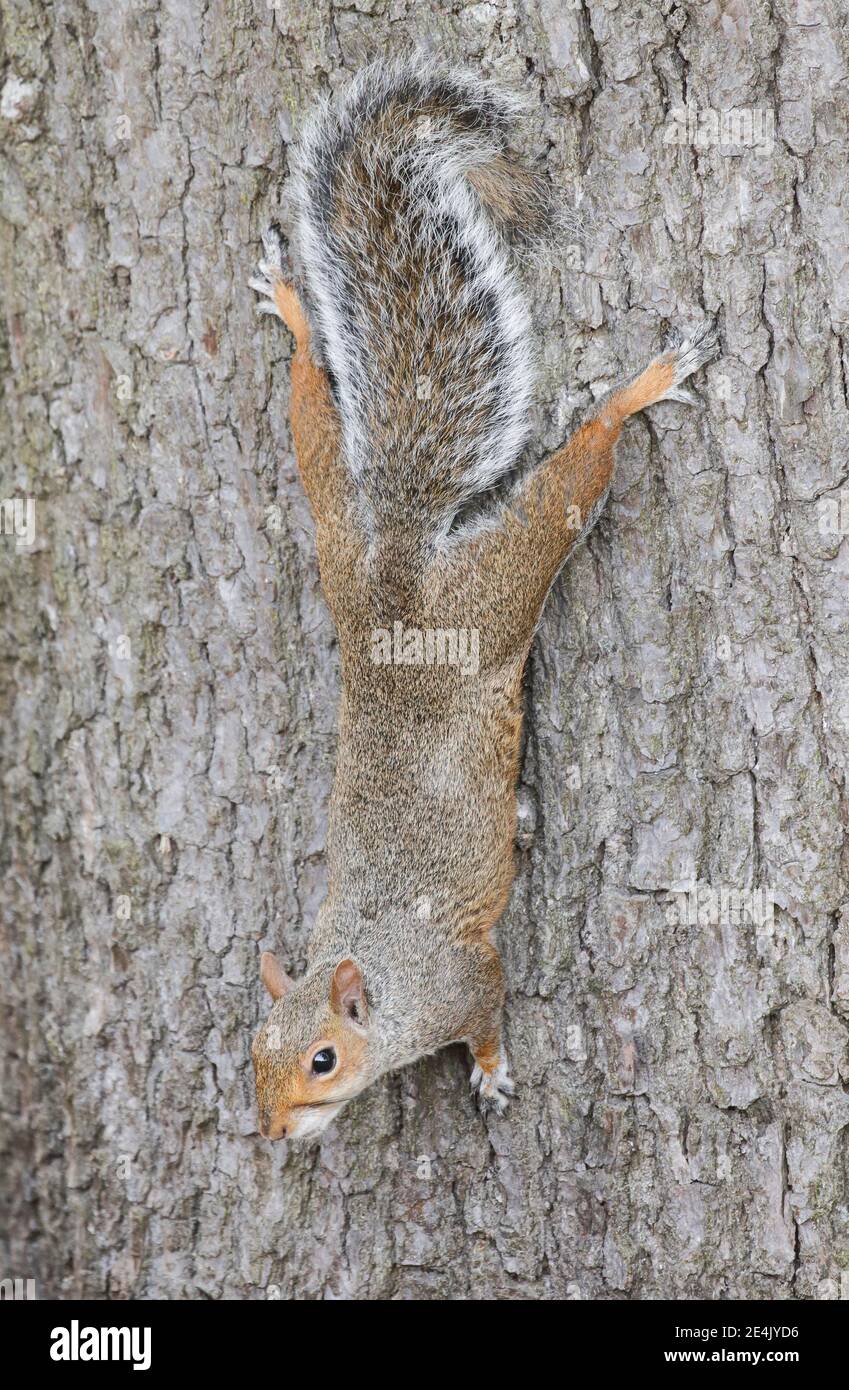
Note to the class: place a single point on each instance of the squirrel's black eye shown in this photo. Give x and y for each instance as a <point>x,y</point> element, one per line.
<point>324,1061</point>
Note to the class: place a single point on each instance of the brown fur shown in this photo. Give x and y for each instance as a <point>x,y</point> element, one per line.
<point>395,720</point>
<point>423,811</point>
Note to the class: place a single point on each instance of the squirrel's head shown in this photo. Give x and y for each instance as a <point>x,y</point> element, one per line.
<point>311,1054</point>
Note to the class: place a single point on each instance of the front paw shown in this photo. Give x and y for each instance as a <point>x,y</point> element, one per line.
<point>494,1088</point>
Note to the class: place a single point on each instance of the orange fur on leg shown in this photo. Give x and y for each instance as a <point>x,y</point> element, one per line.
<point>290,310</point>
<point>313,414</point>
<point>560,501</point>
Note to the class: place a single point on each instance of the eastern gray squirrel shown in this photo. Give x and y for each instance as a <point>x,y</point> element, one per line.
<point>410,391</point>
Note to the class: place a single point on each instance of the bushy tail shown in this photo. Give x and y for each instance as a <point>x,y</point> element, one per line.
<point>406,199</point>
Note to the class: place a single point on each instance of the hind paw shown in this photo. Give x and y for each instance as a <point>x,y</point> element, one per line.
<point>686,356</point>
<point>274,284</point>
<point>274,274</point>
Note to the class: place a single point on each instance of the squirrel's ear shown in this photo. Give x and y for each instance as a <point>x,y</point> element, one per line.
<point>347,993</point>
<point>273,975</point>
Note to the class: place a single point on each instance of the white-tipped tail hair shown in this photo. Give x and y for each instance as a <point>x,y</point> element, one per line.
<point>406,199</point>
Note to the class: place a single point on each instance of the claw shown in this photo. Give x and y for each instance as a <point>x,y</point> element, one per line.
<point>680,393</point>
<point>276,258</point>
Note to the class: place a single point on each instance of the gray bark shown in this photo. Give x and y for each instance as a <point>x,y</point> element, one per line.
<point>169,678</point>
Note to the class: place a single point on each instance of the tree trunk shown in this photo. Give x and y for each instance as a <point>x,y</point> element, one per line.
<point>170,681</point>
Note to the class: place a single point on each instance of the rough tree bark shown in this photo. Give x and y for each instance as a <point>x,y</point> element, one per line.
<point>169,678</point>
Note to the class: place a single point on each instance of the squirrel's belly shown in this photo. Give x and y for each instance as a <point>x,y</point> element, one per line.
<point>425,818</point>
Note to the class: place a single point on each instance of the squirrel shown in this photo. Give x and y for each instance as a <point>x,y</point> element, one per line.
<point>411,383</point>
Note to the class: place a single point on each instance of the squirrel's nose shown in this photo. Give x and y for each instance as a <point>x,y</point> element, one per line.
<point>269,1129</point>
